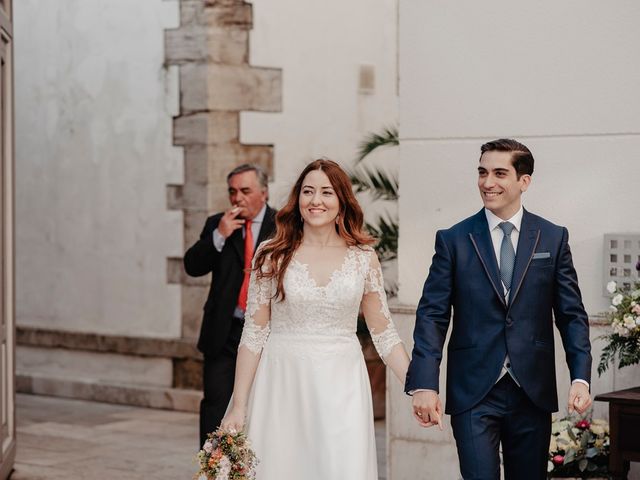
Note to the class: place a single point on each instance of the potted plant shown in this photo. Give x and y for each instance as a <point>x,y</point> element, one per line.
<point>623,342</point>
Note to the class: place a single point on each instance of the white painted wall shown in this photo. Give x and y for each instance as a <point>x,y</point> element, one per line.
<point>559,76</point>
<point>320,46</point>
<point>93,156</point>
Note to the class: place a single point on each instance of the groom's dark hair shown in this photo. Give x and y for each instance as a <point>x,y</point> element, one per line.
<point>521,157</point>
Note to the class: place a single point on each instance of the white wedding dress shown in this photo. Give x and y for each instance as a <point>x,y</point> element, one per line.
<point>310,415</point>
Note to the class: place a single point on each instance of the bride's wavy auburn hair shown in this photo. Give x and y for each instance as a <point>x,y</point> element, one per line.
<point>280,249</point>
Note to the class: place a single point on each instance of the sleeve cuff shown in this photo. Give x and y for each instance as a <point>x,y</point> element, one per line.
<point>411,392</point>
<point>579,380</point>
<point>218,240</point>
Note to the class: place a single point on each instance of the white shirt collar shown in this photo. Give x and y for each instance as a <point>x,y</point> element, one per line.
<point>493,220</point>
<point>260,216</point>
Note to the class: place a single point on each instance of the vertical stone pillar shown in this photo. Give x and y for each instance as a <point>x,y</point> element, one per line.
<point>211,49</point>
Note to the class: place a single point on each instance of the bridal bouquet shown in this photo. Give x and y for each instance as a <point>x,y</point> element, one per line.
<point>579,447</point>
<point>624,317</point>
<point>226,456</point>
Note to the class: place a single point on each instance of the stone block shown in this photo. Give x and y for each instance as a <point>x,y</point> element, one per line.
<point>201,43</point>
<point>174,197</point>
<point>230,88</point>
<point>193,300</point>
<point>232,14</point>
<point>153,397</point>
<point>187,374</point>
<point>94,342</point>
<point>195,196</point>
<point>196,165</point>
<point>101,367</point>
<point>432,460</point>
<point>206,128</point>
<point>194,221</point>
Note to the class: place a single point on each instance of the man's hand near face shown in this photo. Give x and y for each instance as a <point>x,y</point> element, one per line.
<point>230,222</point>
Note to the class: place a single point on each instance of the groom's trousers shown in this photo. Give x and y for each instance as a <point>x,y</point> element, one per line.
<point>504,420</point>
<point>218,375</point>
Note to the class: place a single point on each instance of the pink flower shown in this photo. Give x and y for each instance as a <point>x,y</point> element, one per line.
<point>636,309</point>
<point>583,424</point>
<point>207,447</point>
<point>558,459</point>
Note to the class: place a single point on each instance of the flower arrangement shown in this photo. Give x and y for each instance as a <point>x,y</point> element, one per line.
<point>226,456</point>
<point>579,447</point>
<point>624,318</point>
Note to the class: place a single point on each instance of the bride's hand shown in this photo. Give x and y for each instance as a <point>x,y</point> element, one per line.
<point>233,421</point>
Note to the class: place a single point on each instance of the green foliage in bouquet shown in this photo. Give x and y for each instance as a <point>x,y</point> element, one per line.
<point>624,317</point>
<point>226,456</point>
<point>579,447</point>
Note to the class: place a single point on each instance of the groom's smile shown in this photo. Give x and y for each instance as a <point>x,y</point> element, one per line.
<point>499,184</point>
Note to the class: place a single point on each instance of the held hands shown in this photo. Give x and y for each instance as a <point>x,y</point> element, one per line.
<point>427,409</point>
<point>233,421</point>
<point>579,398</point>
<point>229,222</point>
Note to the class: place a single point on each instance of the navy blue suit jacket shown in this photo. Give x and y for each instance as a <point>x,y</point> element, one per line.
<point>464,276</point>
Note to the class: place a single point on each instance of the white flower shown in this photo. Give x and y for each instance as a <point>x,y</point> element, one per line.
<point>629,321</point>
<point>612,308</point>
<point>611,286</point>
<point>635,293</point>
<point>225,468</point>
<point>617,300</point>
<point>207,447</point>
<point>597,429</point>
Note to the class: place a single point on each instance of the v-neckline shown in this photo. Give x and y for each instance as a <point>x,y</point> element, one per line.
<point>334,273</point>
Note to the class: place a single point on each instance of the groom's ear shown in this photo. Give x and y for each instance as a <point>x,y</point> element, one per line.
<point>525,181</point>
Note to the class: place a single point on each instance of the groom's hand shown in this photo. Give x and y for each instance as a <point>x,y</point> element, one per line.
<point>427,408</point>
<point>579,398</point>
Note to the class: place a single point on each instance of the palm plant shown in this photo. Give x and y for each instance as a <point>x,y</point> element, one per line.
<point>380,185</point>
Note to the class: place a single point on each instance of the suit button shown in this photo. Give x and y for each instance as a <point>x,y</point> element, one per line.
<point>509,321</point>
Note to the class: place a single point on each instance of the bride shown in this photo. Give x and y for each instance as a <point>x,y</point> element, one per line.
<point>309,414</point>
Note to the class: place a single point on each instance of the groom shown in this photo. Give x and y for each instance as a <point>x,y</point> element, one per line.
<point>507,274</point>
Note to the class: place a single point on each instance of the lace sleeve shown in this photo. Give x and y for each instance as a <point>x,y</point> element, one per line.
<point>376,311</point>
<point>258,314</point>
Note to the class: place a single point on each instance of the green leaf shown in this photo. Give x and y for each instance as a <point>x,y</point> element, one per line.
<point>385,230</point>
<point>592,452</point>
<point>569,457</point>
<point>379,184</point>
<point>373,141</point>
<point>582,464</point>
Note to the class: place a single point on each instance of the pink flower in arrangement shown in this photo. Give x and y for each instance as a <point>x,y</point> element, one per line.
<point>583,424</point>
<point>558,459</point>
<point>636,309</point>
<point>207,447</point>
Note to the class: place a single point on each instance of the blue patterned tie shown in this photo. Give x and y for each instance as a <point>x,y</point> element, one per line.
<point>507,255</point>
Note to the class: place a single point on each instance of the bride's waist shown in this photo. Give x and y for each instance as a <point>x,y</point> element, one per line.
<point>346,336</point>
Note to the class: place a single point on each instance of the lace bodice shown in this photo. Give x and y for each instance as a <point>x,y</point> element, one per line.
<point>330,310</point>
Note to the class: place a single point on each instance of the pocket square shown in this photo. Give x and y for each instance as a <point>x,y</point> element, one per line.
<point>539,255</point>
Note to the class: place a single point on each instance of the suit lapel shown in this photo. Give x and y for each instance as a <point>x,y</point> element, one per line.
<point>481,240</point>
<point>267,226</point>
<point>527,243</point>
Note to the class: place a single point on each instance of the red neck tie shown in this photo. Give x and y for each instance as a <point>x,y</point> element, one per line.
<point>248,256</point>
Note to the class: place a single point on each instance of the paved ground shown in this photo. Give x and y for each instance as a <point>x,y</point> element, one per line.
<point>73,439</point>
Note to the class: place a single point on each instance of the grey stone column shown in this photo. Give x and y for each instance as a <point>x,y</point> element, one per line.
<point>211,49</point>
